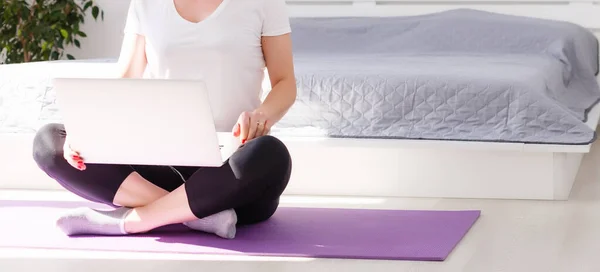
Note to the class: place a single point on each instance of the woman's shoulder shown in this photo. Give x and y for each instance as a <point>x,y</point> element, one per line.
<point>256,3</point>
<point>149,4</point>
<point>143,7</point>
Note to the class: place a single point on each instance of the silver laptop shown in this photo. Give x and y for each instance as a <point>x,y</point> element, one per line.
<point>142,122</point>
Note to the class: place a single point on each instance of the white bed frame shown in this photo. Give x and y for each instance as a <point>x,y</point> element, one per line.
<point>390,168</point>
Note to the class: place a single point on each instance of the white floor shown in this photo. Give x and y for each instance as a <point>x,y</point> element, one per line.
<point>513,236</point>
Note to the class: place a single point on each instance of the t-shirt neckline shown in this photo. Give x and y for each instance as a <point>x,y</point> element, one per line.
<point>214,14</point>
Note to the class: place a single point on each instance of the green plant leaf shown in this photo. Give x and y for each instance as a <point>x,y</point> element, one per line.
<point>60,44</point>
<point>70,57</point>
<point>87,5</point>
<point>95,11</point>
<point>25,12</point>
<point>38,30</point>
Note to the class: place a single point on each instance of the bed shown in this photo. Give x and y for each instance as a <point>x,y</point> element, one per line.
<point>459,103</point>
<point>444,117</point>
<point>455,75</point>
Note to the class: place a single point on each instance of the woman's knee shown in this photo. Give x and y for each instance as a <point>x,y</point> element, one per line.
<point>264,152</point>
<point>264,159</point>
<point>271,148</point>
<point>48,147</point>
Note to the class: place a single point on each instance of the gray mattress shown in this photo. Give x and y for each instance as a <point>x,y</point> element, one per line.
<point>456,75</point>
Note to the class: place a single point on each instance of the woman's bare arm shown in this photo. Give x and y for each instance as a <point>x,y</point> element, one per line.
<point>279,62</point>
<point>132,60</point>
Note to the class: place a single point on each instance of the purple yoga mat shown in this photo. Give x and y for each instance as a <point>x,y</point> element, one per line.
<point>291,232</point>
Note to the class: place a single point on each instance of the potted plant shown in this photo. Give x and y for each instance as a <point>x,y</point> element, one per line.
<point>40,30</point>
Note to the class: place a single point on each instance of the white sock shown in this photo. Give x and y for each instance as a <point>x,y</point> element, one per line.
<point>222,224</point>
<point>82,221</point>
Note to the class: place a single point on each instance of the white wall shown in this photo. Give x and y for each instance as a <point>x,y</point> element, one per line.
<point>103,37</point>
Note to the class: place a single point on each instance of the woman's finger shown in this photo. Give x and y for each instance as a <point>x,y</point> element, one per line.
<point>267,127</point>
<point>260,121</point>
<point>75,161</point>
<point>244,122</point>
<point>79,164</point>
<point>260,129</point>
<point>72,157</point>
<point>236,130</point>
<point>253,126</point>
<point>74,154</point>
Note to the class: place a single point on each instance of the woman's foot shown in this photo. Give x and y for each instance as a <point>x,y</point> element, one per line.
<point>222,224</point>
<point>87,221</point>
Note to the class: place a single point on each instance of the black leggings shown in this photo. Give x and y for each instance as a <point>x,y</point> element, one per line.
<point>251,181</point>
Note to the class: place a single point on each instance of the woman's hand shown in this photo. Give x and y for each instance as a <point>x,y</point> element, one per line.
<point>251,125</point>
<point>73,157</point>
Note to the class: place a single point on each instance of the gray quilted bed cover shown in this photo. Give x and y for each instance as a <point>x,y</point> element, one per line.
<point>456,75</point>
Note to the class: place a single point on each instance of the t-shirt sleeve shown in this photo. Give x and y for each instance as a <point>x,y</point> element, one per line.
<point>132,24</point>
<point>276,20</point>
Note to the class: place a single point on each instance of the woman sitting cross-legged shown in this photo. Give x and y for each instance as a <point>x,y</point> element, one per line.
<point>227,44</point>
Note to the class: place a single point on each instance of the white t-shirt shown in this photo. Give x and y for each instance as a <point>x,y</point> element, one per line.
<point>224,50</point>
